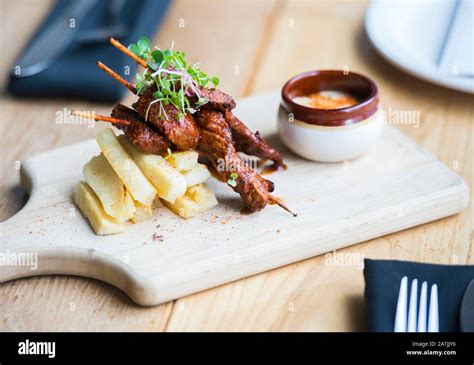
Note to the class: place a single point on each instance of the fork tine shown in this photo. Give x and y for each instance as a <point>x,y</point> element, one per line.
<point>423,307</point>
<point>413,306</point>
<point>401,315</point>
<point>433,317</point>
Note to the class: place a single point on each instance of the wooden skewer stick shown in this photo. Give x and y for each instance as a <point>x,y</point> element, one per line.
<point>100,118</point>
<point>125,50</point>
<point>117,77</point>
<point>275,200</point>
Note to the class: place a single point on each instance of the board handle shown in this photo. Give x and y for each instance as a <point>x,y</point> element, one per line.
<point>78,262</point>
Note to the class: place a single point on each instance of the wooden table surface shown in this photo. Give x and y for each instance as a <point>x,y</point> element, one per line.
<point>254,47</point>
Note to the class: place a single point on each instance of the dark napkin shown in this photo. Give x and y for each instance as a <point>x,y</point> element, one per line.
<point>382,283</point>
<point>75,74</point>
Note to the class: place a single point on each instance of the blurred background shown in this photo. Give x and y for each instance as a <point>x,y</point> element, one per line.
<point>254,47</point>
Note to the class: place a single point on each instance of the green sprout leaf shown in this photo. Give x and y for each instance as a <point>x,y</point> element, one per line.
<point>201,102</point>
<point>176,81</point>
<point>144,44</point>
<point>152,65</point>
<point>134,49</point>
<point>166,84</point>
<point>233,179</point>
<point>168,150</point>
<point>157,56</point>
<point>215,80</point>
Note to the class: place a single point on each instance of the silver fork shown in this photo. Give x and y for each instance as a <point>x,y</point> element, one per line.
<point>411,321</point>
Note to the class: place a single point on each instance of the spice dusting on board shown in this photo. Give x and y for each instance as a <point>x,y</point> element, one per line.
<point>158,237</point>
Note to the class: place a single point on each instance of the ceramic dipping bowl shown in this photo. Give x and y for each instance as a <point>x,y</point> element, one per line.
<point>330,134</point>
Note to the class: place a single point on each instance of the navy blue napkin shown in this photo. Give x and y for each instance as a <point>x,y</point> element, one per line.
<point>382,284</point>
<point>75,74</point>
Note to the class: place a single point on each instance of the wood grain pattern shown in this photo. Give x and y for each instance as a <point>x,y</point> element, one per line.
<point>305,296</point>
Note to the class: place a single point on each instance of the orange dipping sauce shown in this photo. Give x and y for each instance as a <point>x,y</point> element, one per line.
<point>327,99</point>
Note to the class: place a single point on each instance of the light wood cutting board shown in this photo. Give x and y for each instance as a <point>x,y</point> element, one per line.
<point>396,185</point>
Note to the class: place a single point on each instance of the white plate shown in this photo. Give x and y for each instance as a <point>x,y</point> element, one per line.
<point>410,36</point>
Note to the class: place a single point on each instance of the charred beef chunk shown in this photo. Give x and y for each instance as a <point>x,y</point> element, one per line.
<point>144,136</point>
<point>217,145</point>
<point>179,128</point>
<point>217,100</point>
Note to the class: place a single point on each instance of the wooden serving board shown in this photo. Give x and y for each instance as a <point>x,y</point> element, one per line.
<point>396,185</point>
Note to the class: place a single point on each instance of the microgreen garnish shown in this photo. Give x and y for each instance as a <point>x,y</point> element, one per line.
<point>233,179</point>
<point>175,79</point>
<point>141,48</point>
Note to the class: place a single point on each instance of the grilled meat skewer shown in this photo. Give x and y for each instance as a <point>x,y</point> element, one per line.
<point>217,100</point>
<point>179,128</point>
<point>217,145</point>
<point>144,136</point>
<point>141,135</point>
